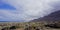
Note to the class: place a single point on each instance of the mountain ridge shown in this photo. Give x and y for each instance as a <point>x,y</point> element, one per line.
<point>55,16</point>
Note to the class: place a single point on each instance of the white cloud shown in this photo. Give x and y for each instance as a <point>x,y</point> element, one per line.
<point>29,9</point>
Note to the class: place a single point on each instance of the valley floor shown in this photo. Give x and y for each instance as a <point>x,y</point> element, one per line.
<point>25,26</point>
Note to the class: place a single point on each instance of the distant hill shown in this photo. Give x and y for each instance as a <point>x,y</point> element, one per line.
<point>14,21</point>
<point>55,16</point>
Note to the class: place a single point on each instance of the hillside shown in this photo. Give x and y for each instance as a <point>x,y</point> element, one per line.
<point>55,16</point>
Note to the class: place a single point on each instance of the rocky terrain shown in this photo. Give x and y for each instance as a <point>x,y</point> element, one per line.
<point>55,16</point>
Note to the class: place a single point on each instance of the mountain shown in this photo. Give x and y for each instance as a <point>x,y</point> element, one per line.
<point>12,21</point>
<point>55,16</point>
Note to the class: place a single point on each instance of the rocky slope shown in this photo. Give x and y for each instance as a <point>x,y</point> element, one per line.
<point>55,16</point>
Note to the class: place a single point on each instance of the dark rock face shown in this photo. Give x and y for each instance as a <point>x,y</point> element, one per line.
<point>55,16</point>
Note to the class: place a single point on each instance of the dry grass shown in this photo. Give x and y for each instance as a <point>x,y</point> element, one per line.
<point>23,26</point>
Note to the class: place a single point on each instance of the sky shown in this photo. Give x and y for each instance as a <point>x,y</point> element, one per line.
<point>27,10</point>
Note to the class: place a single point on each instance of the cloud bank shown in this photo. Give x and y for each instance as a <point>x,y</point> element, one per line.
<point>29,9</point>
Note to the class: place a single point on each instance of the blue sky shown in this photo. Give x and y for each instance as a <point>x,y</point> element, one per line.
<point>6,6</point>
<point>26,10</point>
